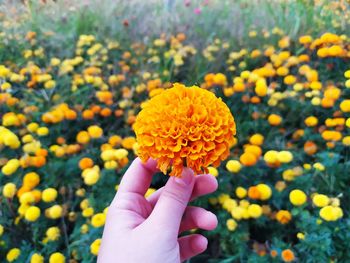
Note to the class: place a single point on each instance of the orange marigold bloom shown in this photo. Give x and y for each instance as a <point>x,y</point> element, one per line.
<point>86,163</point>
<point>128,142</point>
<point>283,216</point>
<point>287,255</point>
<point>254,193</point>
<point>273,253</point>
<point>185,126</point>
<point>310,147</point>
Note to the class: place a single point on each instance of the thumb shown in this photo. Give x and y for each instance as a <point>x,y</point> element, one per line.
<point>173,201</point>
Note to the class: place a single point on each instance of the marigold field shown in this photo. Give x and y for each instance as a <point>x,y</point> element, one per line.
<point>74,75</point>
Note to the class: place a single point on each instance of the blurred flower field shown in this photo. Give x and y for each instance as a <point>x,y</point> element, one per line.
<point>69,99</point>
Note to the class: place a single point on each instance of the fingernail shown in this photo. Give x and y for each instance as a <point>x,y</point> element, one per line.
<point>186,177</point>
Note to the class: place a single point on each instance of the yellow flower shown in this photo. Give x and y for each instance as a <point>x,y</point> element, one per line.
<point>91,176</point>
<point>346,141</point>
<point>347,83</point>
<point>213,171</point>
<point>13,254</point>
<point>233,166</point>
<point>283,216</point>
<point>305,39</point>
<point>274,119</point>
<point>49,195</point>
<point>256,139</point>
<point>311,121</point>
<point>32,214</point>
<point>237,212</point>
<point>345,106</point>
<point>8,138</point>
<point>319,166</point>
<point>241,192</point>
<point>95,131</point>
<point>301,236</point>
<point>37,258</point>
<point>57,257</point>
<point>271,156</point>
<point>330,213</point>
<point>284,156</point>
<point>5,86</point>
<point>120,154</point>
<point>261,88</point>
<point>265,191</point>
<point>87,212</point>
<point>185,125</point>
<point>53,233</point>
<point>31,180</point>
<point>84,229</point>
<point>42,131</point>
<point>9,190</point>
<point>95,246</point>
<point>55,211</point>
<point>83,137</point>
<point>320,200</point>
<point>297,197</point>
<point>27,198</point>
<point>98,220</point>
<point>1,230</point>
<point>255,210</point>
<point>10,167</point>
<point>110,165</point>
<point>50,84</point>
<point>231,224</point>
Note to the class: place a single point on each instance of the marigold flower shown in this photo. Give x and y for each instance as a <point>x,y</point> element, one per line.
<point>287,255</point>
<point>57,257</point>
<point>185,127</point>
<point>330,213</point>
<point>320,200</point>
<point>32,213</point>
<point>283,216</point>
<point>255,211</point>
<point>265,191</point>
<point>49,195</point>
<point>241,192</point>
<point>13,254</point>
<point>233,166</point>
<point>231,224</point>
<point>37,258</point>
<point>53,233</point>
<point>95,246</point>
<point>9,190</point>
<point>297,197</point>
<point>98,220</point>
<point>55,211</point>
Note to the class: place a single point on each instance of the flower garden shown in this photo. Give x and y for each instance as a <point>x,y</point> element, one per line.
<point>68,111</point>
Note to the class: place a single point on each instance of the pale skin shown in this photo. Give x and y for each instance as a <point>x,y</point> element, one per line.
<point>147,230</point>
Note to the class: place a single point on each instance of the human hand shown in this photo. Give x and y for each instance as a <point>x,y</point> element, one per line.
<point>140,229</point>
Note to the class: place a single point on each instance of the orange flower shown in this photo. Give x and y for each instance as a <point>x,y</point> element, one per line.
<point>310,147</point>
<point>88,114</point>
<point>128,142</point>
<point>31,180</point>
<point>283,216</point>
<point>248,159</point>
<point>274,119</point>
<point>287,255</point>
<point>273,253</point>
<point>185,126</point>
<point>86,163</point>
<point>254,193</point>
